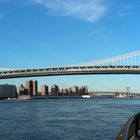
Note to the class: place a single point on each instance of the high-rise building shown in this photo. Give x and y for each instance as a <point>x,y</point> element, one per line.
<point>32,87</point>
<point>8,91</point>
<point>65,92</point>
<point>54,90</point>
<point>44,90</point>
<point>22,90</point>
<point>74,90</point>
<point>35,88</point>
<point>29,87</point>
<point>83,90</point>
<point>86,89</point>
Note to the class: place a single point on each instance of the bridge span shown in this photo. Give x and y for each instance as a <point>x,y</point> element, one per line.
<point>72,70</point>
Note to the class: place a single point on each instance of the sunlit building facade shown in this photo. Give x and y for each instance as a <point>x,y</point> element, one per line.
<point>32,87</point>
<point>44,90</point>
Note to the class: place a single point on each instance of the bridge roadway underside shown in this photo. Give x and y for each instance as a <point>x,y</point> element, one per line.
<point>8,75</point>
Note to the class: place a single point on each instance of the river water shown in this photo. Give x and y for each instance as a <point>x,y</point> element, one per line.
<point>65,119</point>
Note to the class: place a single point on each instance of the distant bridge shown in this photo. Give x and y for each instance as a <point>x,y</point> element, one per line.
<point>123,64</point>
<point>113,92</point>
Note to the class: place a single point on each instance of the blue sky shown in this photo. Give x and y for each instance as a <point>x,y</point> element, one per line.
<point>47,33</point>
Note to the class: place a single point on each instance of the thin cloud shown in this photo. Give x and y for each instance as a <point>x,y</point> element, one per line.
<point>122,14</point>
<point>125,10</point>
<point>89,10</point>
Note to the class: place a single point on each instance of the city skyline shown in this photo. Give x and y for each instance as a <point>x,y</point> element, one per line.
<point>43,33</point>
<point>33,88</point>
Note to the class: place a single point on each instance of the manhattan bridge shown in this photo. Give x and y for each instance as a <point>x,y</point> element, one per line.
<point>122,64</point>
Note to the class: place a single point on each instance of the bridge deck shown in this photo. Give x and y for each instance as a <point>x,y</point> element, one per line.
<point>76,70</point>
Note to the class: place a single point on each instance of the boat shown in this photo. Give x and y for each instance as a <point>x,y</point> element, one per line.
<point>131,129</point>
<point>85,96</point>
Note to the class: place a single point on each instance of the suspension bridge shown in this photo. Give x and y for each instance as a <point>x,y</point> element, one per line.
<point>122,64</point>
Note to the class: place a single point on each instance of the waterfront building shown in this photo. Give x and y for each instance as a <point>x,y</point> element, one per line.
<point>8,91</point>
<point>83,90</point>
<point>74,90</point>
<point>29,87</point>
<point>54,90</point>
<point>44,90</point>
<point>22,90</point>
<point>32,87</point>
<point>86,90</point>
<point>35,88</point>
<point>120,95</point>
<point>65,92</point>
